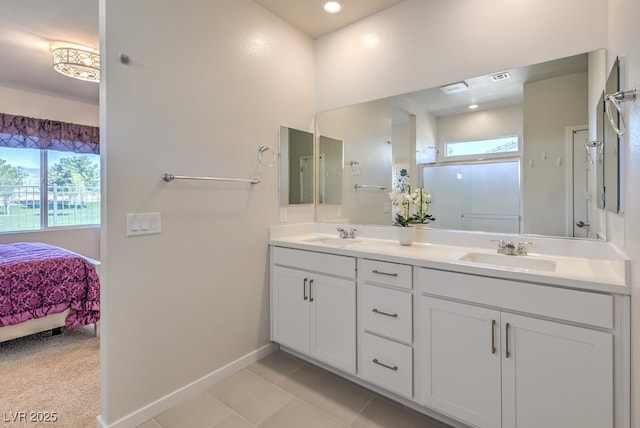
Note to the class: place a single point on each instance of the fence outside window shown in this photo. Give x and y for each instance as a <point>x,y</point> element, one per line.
<point>21,207</point>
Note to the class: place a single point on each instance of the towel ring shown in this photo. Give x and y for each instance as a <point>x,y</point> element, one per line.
<point>269,162</point>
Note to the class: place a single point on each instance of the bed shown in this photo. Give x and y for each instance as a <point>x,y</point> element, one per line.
<point>44,287</point>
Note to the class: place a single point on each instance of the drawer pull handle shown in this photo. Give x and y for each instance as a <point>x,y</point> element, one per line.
<point>384,273</point>
<point>304,289</point>
<point>394,368</point>
<point>384,313</point>
<point>310,290</point>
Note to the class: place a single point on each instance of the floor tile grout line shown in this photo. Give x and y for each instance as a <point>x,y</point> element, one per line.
<point>361,410</point>
<point>327,372</point>
<point>292,397</point>
<point>231,410</point>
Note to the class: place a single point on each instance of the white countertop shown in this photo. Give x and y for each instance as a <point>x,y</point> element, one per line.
<point>589,265</point>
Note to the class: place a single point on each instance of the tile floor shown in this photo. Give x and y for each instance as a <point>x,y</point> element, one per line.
<point>281,391</point>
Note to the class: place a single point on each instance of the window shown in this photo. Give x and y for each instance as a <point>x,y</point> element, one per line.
<point>482,147</point>
<point>42,187</point>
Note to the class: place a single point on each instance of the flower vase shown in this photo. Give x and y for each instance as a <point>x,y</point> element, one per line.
<point>405,235</point>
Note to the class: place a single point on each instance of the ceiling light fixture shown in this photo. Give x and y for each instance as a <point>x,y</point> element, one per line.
<point>332,6</point>
<point>473,106</point>
<point>454,88</point>
<point>76,61</point>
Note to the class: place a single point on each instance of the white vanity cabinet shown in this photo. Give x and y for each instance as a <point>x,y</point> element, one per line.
<point>548,365</point>
<point>313,304</point>
<point>386,325</point>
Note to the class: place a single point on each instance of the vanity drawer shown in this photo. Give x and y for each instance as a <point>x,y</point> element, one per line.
<point>387,364</point>
<point>313,261</point>
<point>387,273</point>
<point>561,303</point>
<point>387,312</point>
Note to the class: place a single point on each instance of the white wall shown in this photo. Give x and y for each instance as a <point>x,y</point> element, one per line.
<point>497,122</point>
<point>421,44</point>
<point>208,82</point>
<point>33,104</point>
<point>85,240</point>
<point>624,34</point>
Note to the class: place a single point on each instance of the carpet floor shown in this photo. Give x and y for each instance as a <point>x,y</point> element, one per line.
<point>50,380</point>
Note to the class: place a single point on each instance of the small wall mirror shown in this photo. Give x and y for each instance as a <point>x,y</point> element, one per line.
<point>611,145</point>
<point>296,167</point>
<point>330,170</point>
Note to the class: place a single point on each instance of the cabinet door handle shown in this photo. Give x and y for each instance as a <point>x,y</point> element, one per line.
<point>384,313</point>
<point>304,289</point>
<point>394,368</point>
<point>507,353</point>
<point>494,349</point>
<point>384,273</point>
<point>310,290</point>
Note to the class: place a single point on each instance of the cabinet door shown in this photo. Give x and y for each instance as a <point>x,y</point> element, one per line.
<point>290,309</point>
<point>333,321</point>
<point>459,361</point>
<point>555,375</point>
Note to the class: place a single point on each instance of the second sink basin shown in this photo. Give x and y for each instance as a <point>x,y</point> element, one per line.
<point>510,262</point>
<point>333,242</point>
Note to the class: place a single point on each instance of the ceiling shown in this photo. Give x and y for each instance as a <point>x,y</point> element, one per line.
<point>26,29</point>
<point>308,16</point>
<point>487,94</point>
<point>28,26</point>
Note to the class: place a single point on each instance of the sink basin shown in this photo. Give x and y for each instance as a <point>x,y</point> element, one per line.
<point>333,242</point>
<point>502,261</point>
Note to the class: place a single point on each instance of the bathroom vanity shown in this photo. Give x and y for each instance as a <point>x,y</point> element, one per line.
<point>451,328</point>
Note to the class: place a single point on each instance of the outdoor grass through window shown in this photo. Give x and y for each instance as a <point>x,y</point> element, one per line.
<point>70,181</point>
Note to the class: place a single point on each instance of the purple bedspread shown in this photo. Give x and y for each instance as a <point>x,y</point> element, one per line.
<point>38,279</point>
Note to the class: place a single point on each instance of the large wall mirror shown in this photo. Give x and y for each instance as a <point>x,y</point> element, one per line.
<point>542,169</point>
<point>296,167</point>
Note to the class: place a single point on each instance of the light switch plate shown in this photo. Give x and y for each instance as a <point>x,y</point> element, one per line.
<point>143,224</point>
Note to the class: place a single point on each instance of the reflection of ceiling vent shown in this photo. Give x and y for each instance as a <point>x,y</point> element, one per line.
<point>454,88</point>
<point>500,76</point>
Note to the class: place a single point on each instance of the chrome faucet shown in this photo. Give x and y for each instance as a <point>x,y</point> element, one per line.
<point>510,249</point>
<point>346,234</point>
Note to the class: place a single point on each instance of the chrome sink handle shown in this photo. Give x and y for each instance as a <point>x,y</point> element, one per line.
<point>352,233</point>
<point>501,245</point>
<point>342,233</point>
<point>522,247</point>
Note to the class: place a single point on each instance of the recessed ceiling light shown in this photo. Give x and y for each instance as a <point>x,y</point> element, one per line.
<point>473,106</point>
<point>332,6</point>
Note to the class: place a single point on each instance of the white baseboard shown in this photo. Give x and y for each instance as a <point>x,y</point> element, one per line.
<point>147,412</point>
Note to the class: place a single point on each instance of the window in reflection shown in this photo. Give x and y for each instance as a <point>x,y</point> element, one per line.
<point>481,196</point>
<point>482,147</point>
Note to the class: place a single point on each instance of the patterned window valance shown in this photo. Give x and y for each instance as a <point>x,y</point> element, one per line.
<point>32,133</point>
